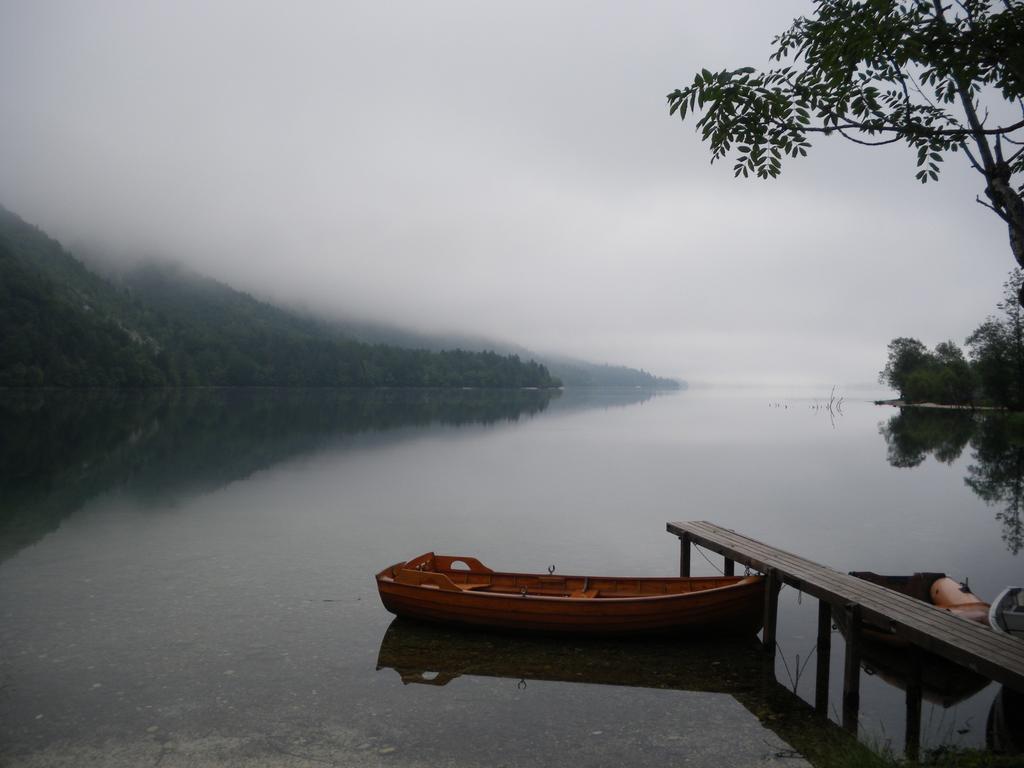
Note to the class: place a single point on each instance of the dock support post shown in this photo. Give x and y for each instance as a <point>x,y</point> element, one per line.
<point>729,569</point>
<point>771,609</point>
<point>851,671</point>
<point>684,555</point>
<point>824,651</point>
<point>914,693</point>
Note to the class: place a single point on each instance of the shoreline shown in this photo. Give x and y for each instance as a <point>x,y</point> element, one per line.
<point>897,403</point>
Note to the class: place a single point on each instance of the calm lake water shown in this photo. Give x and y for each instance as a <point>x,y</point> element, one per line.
<point>186,577</point>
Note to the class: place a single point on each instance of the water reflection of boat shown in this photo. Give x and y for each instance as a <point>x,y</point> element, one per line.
<point>432,655</point>
<point>898,662</point>
<point>431,588</point>
<point>1007,612</point>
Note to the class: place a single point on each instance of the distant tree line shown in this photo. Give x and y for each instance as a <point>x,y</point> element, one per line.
<point>991,374</point>
<point>582,374</point>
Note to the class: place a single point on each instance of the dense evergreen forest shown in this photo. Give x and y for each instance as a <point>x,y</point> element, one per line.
<point>65,326</point>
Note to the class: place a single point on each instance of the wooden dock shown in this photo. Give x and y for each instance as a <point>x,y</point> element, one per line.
<point>997,656</point>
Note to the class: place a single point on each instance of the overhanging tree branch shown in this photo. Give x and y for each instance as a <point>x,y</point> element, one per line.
<point>878,73</point>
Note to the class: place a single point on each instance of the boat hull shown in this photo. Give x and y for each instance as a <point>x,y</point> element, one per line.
<point>527,603</point>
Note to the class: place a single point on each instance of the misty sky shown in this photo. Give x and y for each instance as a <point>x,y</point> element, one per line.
<point>503,169</point>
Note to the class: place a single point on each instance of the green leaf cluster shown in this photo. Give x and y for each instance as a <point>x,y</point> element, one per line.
<point>997,349</point>
<point>876,72</point>
<point>922,375</point>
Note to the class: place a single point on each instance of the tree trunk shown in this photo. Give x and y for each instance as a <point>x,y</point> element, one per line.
<point>1009,205</point>
<point>1008,202</point>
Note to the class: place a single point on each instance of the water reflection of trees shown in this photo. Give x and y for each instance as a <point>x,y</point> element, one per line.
<point>996,472</point>
<point>997,475</point>
<point>915,433</point>
<point>60,448</point>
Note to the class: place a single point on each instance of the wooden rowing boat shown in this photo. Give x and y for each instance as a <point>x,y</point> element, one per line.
<point>463,591</point>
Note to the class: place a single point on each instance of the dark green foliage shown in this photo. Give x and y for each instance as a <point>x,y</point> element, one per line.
<point>997,349</point>
<point>942,376</point>
<point>954,381</point>
<point>993,377</point>
<point>920,72</point>
<point>55,327</point>
<point>906,355</point>
<point>63,326</point>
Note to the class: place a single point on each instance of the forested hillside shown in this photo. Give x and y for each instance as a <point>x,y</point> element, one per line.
<point>62,325</point>
<point>578,373</point>
<point>570,371</point>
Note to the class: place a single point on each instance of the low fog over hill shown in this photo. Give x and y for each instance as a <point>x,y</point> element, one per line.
<point>159,325</point>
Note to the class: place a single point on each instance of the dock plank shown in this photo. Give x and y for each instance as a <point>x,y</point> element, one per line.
<point>834,587</point>
<point>995,655</point>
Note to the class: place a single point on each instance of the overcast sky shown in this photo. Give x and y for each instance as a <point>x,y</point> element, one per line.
<point>504,169</point>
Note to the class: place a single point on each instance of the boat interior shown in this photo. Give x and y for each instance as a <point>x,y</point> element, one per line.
<point>917,585</point>
<point>467,574</point>
<point>935,588</point>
